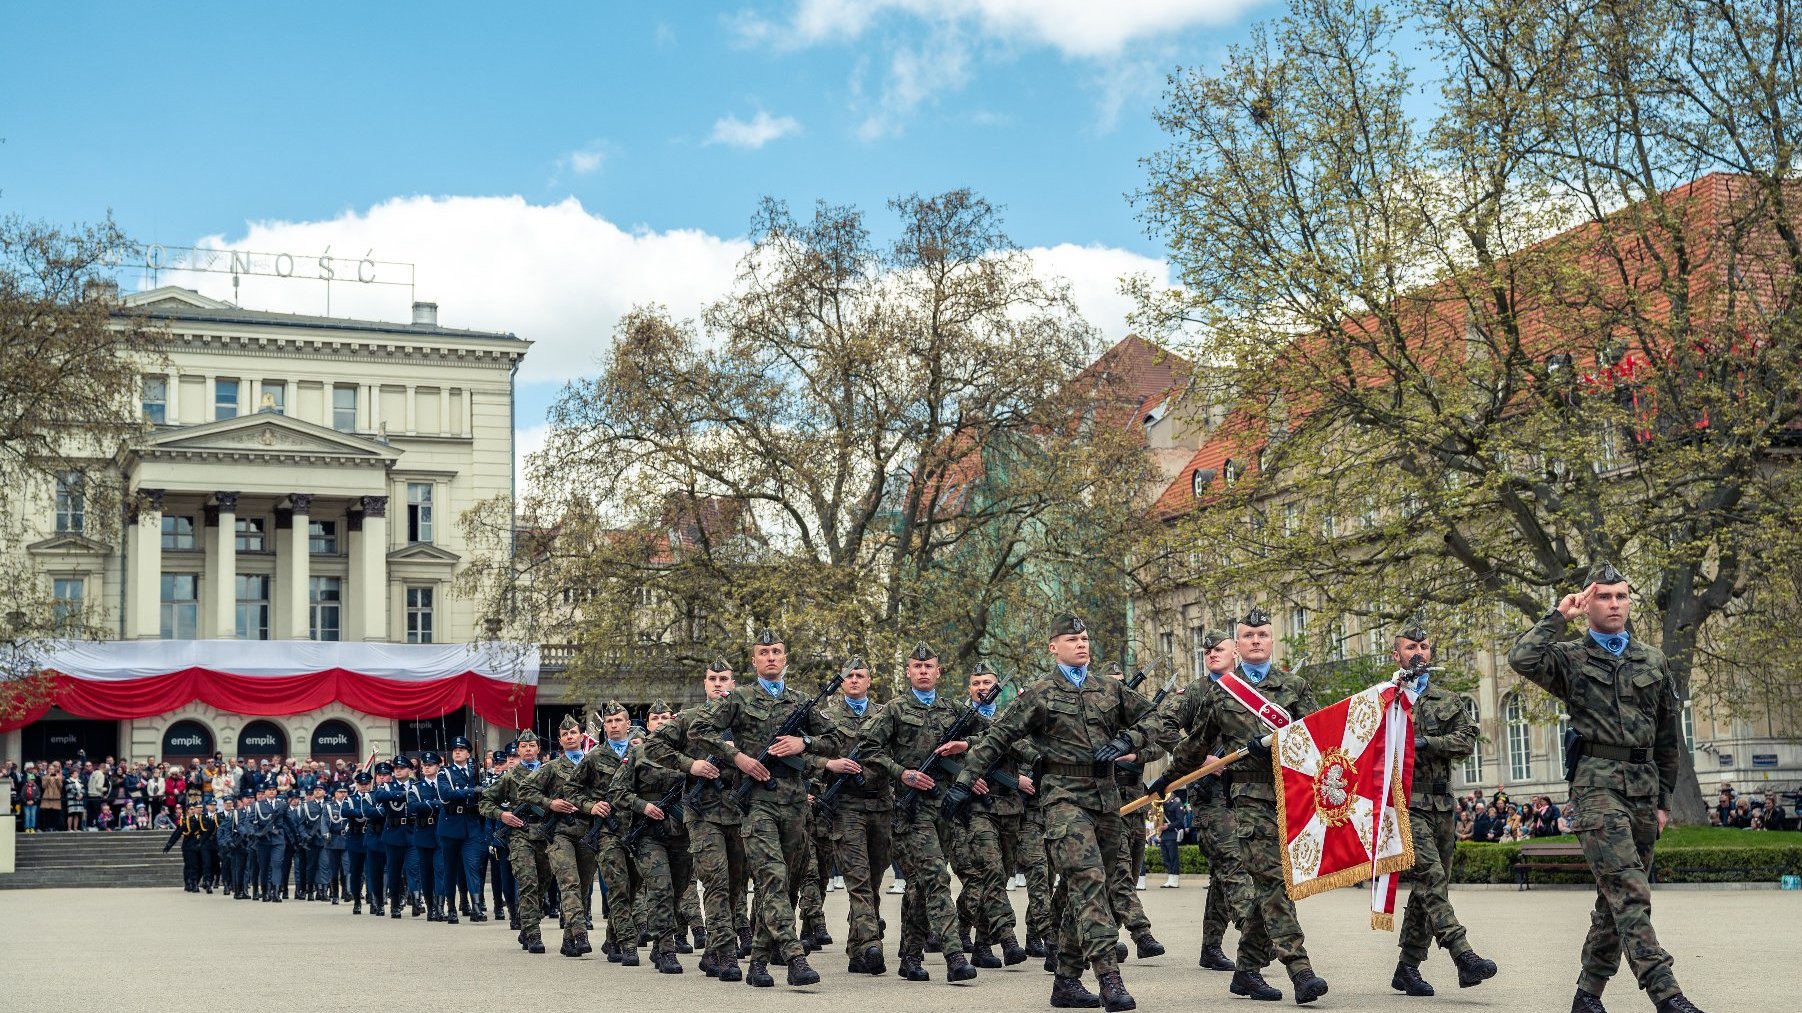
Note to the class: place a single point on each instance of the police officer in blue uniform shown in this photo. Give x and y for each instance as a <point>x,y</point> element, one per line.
<point>423,805</point>
<point>460,835</point>
<point>309,828</point>
<point>271,818</point>
<point>333,879</point>
<point>494,849</point>
<point>391,796</point>
<point>375,863</point>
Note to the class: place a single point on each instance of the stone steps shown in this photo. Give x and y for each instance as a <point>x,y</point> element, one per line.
<point>123,859</point>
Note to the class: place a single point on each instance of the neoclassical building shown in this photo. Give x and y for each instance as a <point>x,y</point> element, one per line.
<point>299,479</point>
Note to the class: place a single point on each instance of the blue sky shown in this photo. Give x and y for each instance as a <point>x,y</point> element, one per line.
<point>546,167</point>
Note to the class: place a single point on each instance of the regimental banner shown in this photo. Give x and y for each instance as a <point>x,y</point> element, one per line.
<point>1344,773</point>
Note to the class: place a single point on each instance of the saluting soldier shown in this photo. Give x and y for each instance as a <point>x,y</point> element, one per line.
<point>662,858</point>
<point>1080,723</point>
<point>864,826</point>
<point>991,841</point>
<point>714,838</point>
<point>459,854</point>
<point>739,727</point>
<point>1626,713</point>
<point>525,842</point>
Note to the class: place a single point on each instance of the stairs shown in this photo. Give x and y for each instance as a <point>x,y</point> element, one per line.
<point>129,858</point>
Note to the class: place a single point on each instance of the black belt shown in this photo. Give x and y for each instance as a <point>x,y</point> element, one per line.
<point>460,810</point>
<point>1436,788</point>
<point>1626,754</point>
<point>1092,771</point>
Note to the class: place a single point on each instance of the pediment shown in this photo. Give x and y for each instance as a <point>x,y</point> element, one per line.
<point>420,552</point>
<point>68,544</point>
<point>265,432</point>
<point>173,296</point>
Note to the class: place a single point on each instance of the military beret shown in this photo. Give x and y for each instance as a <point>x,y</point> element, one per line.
<point>500,756</point>
<point>981,668</point>
<point>661,707</point>
<point>384,767</point>
<point>1067,625</point>
<point>1415,630</point>
<point>612,707</point>
<point>461,742</point>
<point>363,775</point>
<point>1255,618</point>
<point>429,757</point>
<point>1605,573</point>
<point>526,736</point>
<point>856,664</point>
<point>569,724</point>
<point>1214,638</point>
<point>719,665</point>
<point>767,638</point>
<point>923,652</point>
<point>1114,670</point>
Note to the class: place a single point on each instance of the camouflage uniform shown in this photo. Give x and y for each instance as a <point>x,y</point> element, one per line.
<point>1036,864</point>
<point>573,870</point>
<point>1229,888</point>
<point>865,834</point>
<point>990,846</point>
<point>775,824</point>
<point>1066,725</point>
<point>526,849</point>
<point>1443,733</point>
<point>810,892</point>
<point>714,838</point>
<point>662,854</point>
<point>1271,929</point>
<point>1628,712</point>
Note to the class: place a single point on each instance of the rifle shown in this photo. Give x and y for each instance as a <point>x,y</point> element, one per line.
<point>701,784</point>
<point>825,805</point>
<point>670,803</point>
<point>1134,768</point>
<point>590,844</point>
<point>937,766</point>
<point>791,725</point>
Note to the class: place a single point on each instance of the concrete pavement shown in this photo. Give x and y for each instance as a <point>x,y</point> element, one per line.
<point>159,950</point>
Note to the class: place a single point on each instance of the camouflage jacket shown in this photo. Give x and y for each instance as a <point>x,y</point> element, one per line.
<point>1222,724</point>
<point>504,796</point>
<point>637,782</point>
<point>877,792</point>
<point>746,721</point>
<point>556,778</point>
<point>1006,798</point>
<point>1630,701</point>
<point>903,736</point>
<point>675,747</point>
<point>1066,725</point>
<point>1444,734</point>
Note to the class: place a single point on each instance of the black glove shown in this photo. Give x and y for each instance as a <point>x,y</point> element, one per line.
<point>1156,787</point>
<point>956,797</point>
<point>1113,749</point>
<point>1257,748</point>
<point>1420,743</point>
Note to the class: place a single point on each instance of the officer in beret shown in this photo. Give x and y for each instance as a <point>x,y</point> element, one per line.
<point>553,787</point>
<point>525,841</point>
<point>460,847</point>
<point>1626,713</point>
<point>391,794</point>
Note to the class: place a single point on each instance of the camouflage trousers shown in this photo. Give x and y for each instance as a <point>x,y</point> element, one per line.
<point>1617,834</point>
<point>926,908</point>
<point>531,870</point>
<point>616,869</point>
<point>1271,930</point>
<point>810,893</point>
<point>688,903</point>
<point>1076,841</point>
<point>574,875</point>
<point>1229,889</point>
<point>777,846</point>
<point>1037,867</point>
<point>663,862</point>
<point>1429,915</point>
<point>990,847</point>
<point>1129,913</point>
<point>719,860</point>
<point>865,849</point>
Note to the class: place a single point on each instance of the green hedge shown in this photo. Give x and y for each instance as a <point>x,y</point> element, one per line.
<point>1188,854</point>
<point>1493,863</point>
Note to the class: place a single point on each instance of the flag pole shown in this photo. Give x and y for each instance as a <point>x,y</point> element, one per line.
<point>1212,766</point>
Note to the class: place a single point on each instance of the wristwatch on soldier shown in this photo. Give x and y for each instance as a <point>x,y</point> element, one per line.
<point>806,742</point>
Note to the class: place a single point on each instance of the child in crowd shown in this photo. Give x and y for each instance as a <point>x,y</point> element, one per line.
<point>106,816</point>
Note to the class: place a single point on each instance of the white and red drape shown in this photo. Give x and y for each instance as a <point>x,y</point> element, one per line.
<point>125,679</point>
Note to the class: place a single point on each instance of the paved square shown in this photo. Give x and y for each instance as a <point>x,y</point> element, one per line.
<point>162,950</point>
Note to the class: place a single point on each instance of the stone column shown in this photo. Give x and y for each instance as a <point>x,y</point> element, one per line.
<point>412,400</point>
<point>367,402</point>
<point>172,400</point>
<point>444,423</point>
<point>146,587</point>
<point>369,570</point>
<point>222,566</point>
<point>293,566</point>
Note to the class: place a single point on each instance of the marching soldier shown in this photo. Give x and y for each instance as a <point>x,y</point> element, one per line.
<point>662,858</point>
<point>494,849</point>
<point>553,787</point>
<point>1035,863</point>
<point>309,818</point>
<point>1080,723</point>
<point>1271,928</point>
<point>334,854</point>
<point>864,824</point>
<point>1129,869</point>
<point>991,842</point>
<point>525,844</point>
<point>364,849</point>
<point>1625,713</point>
<point>896,744</point>
<point>423,805</point>
<point>187,830</point>
<point>209,845</point>
<point>714,840</point>
<point>228,839</point>
<point>391,796</point>
<point>459,854</point>
<point>739,727</point>
<point>593,782</point>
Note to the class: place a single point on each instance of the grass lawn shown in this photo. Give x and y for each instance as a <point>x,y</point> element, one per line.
<point>1716,837</point>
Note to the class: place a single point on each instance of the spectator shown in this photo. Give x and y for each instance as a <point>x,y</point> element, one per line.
<point>1742,815</point>
<point>175,788</point>
<point>1515,830</point>
<point>74,798</point>
<point>165,820</point>
<point>1568,816</point>
<point>1774,816</point>
<point>154,789</point>
<point>99,787</point>
<point>1724,806</point>
<point>50,809</point>
<point>31,792</point>
<point>1545,817</point>
<point>1484,828</point>
<point>1466,822</point>
<point>104,819</point>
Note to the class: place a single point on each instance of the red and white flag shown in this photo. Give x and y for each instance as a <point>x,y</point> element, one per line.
<point>1344,773</point>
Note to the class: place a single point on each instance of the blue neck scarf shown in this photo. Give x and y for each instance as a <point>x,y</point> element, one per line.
<point>574,755</point>
<point>928,698</point>
<point>858,706</point>
<point>530,764</point>
<point>1255,674</point>
<point>1213,676</point>
<point>619,748</point>
<point>987,710</point>
<point>772,688</point>
<point>1613,643</point>
<point>1075,675</point>
<point>1420,684</point>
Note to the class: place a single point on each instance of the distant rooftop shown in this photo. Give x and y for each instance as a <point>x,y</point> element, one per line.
<point>171,302</point>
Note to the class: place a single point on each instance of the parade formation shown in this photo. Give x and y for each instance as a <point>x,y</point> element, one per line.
<point>715,829</point>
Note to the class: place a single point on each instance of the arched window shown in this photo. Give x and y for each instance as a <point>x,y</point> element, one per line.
<point>1473,764</point>
<point>1230,472</point>
<point>1520,740</point>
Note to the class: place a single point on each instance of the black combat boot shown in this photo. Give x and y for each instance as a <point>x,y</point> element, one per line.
<point>1407,979</point>
<point>1069,993</point>
<point>744,942</point>
<point>513,919</point>
<point>1587,1002</point>
<point>535,945</point>
<point>759,976</point>
<point>375,908</point>
<point>568,948</point>
<point>873,964</point>
<point>644,937</point>
<point>583,944</point>
<point>1011,953</point>
<point>681,944</point>
<point>396,910</point>
<point>1677,1004</point>
<point>666,963</point>
<point>356,906</point>
<point>957,968</point>
<point>983,956</point>
<point>706,966</point>
<point>417,903</point>
<point>1472,969</point>
<point>800,973</point>
<point>433,913</point>
<point>1119,953</point>
<point>588,923</point>
<point>963,939</point>
<point>1051,962</point>
<point>1308,987</point>
<point>911,970</point>
<point>1035,947</point>
<point>478,912</point>
<point>1252,985</point>
<point>628,956</point>
<point>700,935</point>
<point>450,914</point>
<point>1148,945</point>
<point>1114,995</point>
<point>1213,958</point>
<point>855,964</point>
<point>821,938</point>
<point>729,971</point>
<point>610,949</point>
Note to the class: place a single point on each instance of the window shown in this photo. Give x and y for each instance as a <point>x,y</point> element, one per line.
<point>253,606</point>
<point>1329,528</point>
<point>1689,727</point>
<point>322,537</point>
<point>178,532</point>
<point>225,399</point>
<point>275,397</point>
<point>1229,472</point>
<point>181,606</point>
<point>419,512</point>
<point>156,400</point>
<point>1196,633</point>
<point>1374,631</point>
<point>1298,623</point>
<point>419,615</point>
<point>1337,647</point>
<point>252,535</point>
<point>71,503</point>
<point>1473,764</point>
<point>1520,740</point>
<point>325,595</point>
<point>66,595</point>
<point>344,409</point>
<point>1291,519</point>
<point>1197,481</point>
<point>1167,644</point>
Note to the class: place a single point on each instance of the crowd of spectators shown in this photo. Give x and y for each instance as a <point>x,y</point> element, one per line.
<point>83,794</point>
<point>1752,810</point>
<point>1500,818</point>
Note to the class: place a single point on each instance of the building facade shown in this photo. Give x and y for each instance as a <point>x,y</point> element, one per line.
<point>298,478</point>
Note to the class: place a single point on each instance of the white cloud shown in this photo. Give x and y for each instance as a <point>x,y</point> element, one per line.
<point>586,161</point>
<point>757,132</point>
<point>1094,274</point>
<point>527,440</point>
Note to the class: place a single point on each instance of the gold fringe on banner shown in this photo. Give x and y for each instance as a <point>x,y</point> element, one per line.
<point>1382,921</point>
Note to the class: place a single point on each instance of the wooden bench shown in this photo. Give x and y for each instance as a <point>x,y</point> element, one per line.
<point>1554,856</point>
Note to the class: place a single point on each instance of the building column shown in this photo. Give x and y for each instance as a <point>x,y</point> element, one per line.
<point>292,568</point>
<point>412,396</point>
<point>444,428</point>
<point>368,547</point>
<point>366,405</point>
<point>222,566</point>
<point>172,399</point>
<point>146,589</point>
